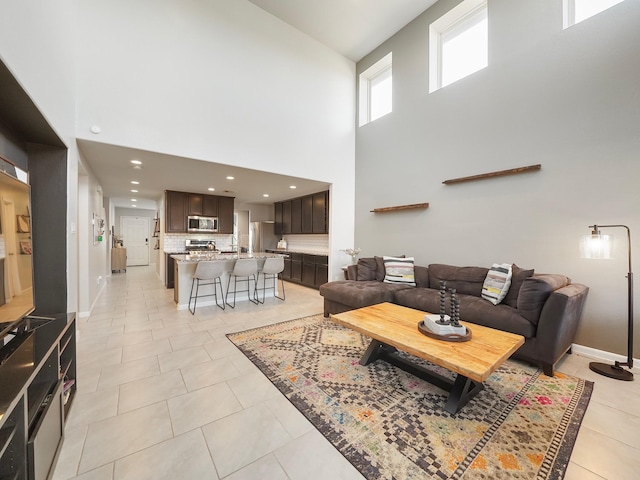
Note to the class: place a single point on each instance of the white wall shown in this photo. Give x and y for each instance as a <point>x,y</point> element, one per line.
<point>37,45</point>
<point>569,100</point>
<point>219,81</point>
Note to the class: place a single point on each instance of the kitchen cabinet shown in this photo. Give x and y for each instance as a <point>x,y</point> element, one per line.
<point>210,206</point>
<point>176,211</point>
<point>277,227</point>
<point>286,217</point>
<point>306,269</point>
<point>320,212</point>
<point>308,214</point>
<point>225,215</point>
<point>178,205</point>
<point>195,204</point>
<point>169,273</point>
<point>296,215</point>
<point>204,205</point>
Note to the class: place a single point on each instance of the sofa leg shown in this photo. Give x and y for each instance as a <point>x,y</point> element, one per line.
<point>547,369</point>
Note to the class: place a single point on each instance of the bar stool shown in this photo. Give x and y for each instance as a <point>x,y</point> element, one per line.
<point>245,268</point>
<point>272,270</point>
<point>209,272</point>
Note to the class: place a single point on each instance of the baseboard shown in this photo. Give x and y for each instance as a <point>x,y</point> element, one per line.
<point>602,355</point>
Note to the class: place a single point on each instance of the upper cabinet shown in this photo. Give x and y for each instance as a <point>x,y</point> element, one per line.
<point>205,205</point>
<point>225,215</point>
<point>176,211</point>
<point>308,214</point>
<point>179,205</point>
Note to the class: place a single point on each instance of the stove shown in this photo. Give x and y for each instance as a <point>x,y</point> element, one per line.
<point>199,246</point>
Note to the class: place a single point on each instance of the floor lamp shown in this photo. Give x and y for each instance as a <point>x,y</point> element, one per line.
<point>598,245</point>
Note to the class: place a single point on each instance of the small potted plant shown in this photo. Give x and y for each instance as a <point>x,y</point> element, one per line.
<point>353,252</point>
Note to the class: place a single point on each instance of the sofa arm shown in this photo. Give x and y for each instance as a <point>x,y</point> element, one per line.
<point>559,320</point>
<point>352,272</point>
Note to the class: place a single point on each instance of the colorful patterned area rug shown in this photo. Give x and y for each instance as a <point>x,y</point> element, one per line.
<point>392,425</point>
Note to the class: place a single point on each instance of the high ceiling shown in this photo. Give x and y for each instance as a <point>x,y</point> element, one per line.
<point>352,28</point>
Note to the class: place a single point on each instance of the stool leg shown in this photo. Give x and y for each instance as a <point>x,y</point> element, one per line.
<point>235,284</point>
<point>275,281</point>
<point>217,281</point>
<point>255,299</point>
<point>191,296</point>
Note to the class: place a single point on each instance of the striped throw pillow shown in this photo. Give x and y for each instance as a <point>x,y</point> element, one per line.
<point>497,283</point>
<point>399,270</point>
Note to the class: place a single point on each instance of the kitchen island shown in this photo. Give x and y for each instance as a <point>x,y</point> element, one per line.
<point>185,267</point>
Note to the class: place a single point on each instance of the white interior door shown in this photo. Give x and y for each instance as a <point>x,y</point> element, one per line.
<point>135,235</point>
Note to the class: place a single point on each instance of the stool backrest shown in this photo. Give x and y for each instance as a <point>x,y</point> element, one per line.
<point>273,265</point>
<point>245,267</point>
<point>208,270</point>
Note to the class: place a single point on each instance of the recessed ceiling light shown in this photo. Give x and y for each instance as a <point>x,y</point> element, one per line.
<point>265,195</point>
<point>135,182</point>
<point>292,186</point>
<point>211,189</point>
<point>136,162</point>
<point>134,200</point>
<point>134,191</point>
<point>133,205</point>
<point>230,177</point>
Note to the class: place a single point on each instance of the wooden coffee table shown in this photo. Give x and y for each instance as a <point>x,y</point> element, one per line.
<point>393,327</point>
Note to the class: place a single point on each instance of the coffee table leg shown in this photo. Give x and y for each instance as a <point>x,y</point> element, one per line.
<point>462,390</point>
<point>375,351</point>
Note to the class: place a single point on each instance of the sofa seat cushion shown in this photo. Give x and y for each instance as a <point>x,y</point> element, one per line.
<point>466,280</point>
<point>360,294</point>
<point>472,309</point>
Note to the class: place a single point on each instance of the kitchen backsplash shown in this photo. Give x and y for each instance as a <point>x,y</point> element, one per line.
<point>308,243</point>
<point>174,242</point>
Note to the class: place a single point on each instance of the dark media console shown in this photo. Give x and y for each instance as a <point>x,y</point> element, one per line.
<point>37,386</point>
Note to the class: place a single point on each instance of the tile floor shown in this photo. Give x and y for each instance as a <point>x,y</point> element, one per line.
<point>163,394</point>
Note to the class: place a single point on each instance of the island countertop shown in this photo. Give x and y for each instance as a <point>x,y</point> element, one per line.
<point>212,256</point>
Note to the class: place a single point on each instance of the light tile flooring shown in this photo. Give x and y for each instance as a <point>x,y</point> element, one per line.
<point>163,394</point>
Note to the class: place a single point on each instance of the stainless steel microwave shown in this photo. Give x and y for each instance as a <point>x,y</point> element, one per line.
<point>197,223</point>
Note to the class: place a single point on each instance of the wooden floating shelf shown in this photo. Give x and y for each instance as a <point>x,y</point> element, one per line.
<point>501,173</point>
<point>400,207</point>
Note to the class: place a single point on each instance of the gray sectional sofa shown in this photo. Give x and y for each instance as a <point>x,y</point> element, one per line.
<point>544,308</point>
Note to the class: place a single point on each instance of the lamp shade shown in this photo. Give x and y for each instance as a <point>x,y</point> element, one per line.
<point>597,246</point>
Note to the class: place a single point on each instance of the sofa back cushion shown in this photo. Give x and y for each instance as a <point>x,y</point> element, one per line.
<point>518,276</point>
<point>534,293</point>
<point>366,269</point>
<point>422,276</point>
<point>466,280</point>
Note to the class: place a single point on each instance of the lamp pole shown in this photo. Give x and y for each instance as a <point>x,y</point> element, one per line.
<point>616,371</point>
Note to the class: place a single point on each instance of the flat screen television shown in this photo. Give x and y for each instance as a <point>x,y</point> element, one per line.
<point>16,266</point>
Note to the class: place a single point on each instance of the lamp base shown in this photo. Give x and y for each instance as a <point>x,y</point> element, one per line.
<point>611,371</point>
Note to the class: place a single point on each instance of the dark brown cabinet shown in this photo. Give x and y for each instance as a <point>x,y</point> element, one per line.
<point>176,211</point>
<point>225,215</point>
<point>306,269</point>
<point>195,204</point>
<point>296,215</point>
<point>210,206</point>
<point>320,210</point>
<point>277,227</point>
<point>308,214</point>
<point>286,217</point>
<point>205,205</point>
<point>178,205</point>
